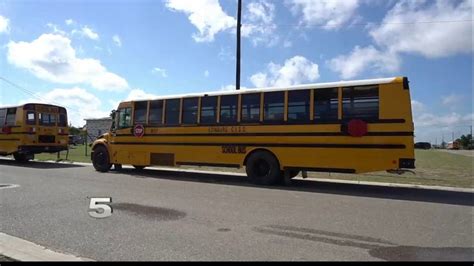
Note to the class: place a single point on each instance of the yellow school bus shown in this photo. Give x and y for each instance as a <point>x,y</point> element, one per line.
<point>32,128</point>
<point>349,127</point>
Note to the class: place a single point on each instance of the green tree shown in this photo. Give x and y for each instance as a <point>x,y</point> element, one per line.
<point>74,130</point>
<point>465,140</point>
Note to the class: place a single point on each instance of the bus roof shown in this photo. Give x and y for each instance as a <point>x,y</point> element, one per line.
<point>270,89</point>
<point>21,105</point>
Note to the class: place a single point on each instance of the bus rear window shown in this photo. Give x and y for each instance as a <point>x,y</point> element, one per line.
<point>62,120</point>
<point>326,104</point>
<point>46,119</point>
<point>360,102</point>
<point>31,118</point>
<point>139,116</point>
<point>251,107</point>
<point>228,109</point>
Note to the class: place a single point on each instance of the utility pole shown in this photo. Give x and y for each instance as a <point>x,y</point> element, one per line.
<point>237,58</point>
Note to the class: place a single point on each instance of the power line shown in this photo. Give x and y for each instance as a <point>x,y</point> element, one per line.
<point>35,95</point>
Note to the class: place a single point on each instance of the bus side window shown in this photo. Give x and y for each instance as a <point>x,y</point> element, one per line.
<point>274,106</point>
<point>139,115</point>
<point>156,113</point>
<point>360,102</point>
<point>3,113</point>
<point>326,104</point>
<point>190,110</point>
<point>250,107</point>
<point>125,118</point>
<point>11,115</point>
<point>228,112</point>
<point>299,105</point>
<point>172,112</point>
<point>209,110</point>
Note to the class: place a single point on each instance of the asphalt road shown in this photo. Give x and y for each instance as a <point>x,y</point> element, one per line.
<point>168,215</point>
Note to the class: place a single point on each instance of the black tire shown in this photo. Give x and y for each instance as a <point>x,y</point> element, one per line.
<point>20,157</point>
<point>139,167</point>
<point>263,168</point>
<point>101,159</point>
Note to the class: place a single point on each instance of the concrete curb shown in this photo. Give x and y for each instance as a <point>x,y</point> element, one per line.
<point>325,180</point>
<point>23,250</point>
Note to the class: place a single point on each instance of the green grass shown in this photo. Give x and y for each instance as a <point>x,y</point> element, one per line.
<point>76,154</point>
<point>433,167</point>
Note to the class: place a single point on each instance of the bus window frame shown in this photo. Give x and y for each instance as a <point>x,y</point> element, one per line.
<point>159,122</point>
<point>236,114</point>
<point>196,116</point>
<point>178,111</point>
<point>308,119</point>
<point>135,112</point>
<point>120,111</point>
<point>260,114</point>
<point>264,111</point>
<point>215,109</point>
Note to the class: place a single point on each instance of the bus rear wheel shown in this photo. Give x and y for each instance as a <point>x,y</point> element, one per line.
<point>263,168</point>
<point>21,157</point>
<point>100,159</point>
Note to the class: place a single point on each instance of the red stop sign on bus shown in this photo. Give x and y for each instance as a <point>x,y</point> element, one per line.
<point>138,130</point>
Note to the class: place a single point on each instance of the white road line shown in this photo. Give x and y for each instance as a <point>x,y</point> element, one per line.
<point>22,250</point>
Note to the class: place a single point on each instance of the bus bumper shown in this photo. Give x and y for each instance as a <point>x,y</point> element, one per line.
<point>41,149</point>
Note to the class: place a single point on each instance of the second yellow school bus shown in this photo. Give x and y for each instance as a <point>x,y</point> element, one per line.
<point>32,128</point>
<point>349,127</point>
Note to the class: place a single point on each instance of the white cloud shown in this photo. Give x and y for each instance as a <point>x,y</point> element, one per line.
<point>4,24</point>
<point>258,23</point>
<point>231,87</point>
<point>55,29</point>
<point>417,107</point>
<point>330,14</point>
<point>52,58</point>
<point>397,32</point>
<point>206,73</point>
<point>80,104</point>
<point>452,100</point>
<point>87,32</point>
<point>362,59</point>
<point>159,71</point>
<point>138,94</point>
<point>206,15</point>
<point>296,70</point>
<point>117,41</point>
<point>69,22</point>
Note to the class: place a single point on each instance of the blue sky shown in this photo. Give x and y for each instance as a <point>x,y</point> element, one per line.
<point>89,55</point>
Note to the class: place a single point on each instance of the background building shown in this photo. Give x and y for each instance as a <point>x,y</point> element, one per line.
<point>96,127</point>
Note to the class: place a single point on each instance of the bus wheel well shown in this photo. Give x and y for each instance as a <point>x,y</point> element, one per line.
<point>259,150</point>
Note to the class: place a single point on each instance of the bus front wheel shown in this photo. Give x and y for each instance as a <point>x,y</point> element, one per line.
<point>21,157</point>
<point>100,159</point>
<point>263,168</point>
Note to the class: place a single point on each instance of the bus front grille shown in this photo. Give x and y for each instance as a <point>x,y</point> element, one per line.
<point>46,139</point>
